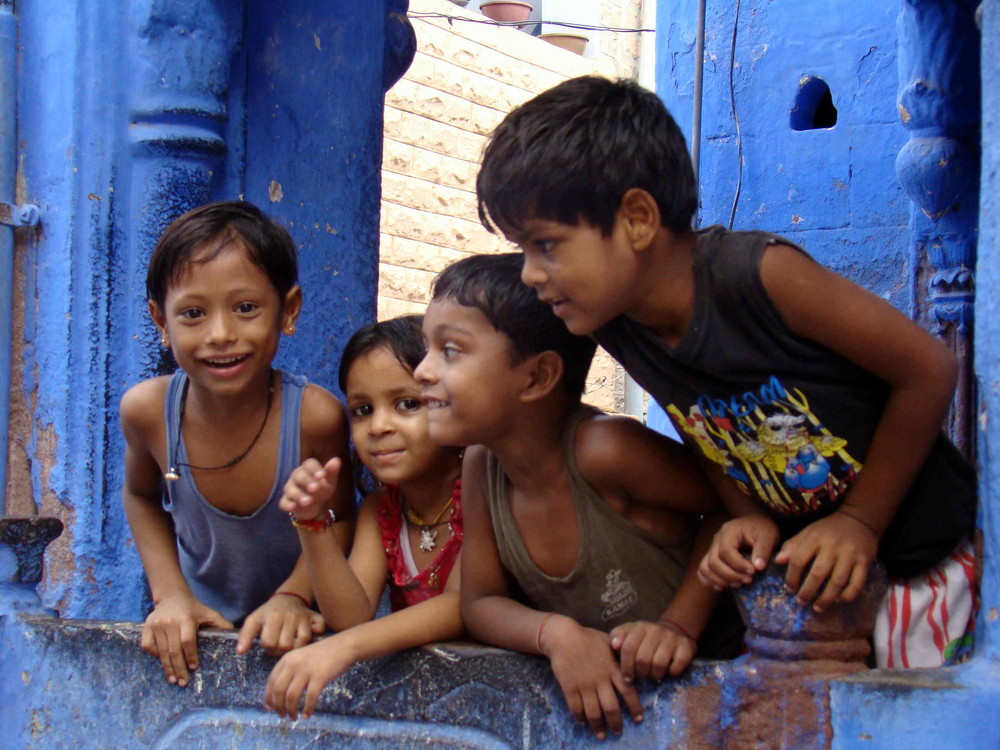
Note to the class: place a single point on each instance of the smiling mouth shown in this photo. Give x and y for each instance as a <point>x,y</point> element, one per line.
<point>434,403</point>
<point>222,362</point>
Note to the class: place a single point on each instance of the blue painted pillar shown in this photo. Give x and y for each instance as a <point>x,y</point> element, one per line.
<point>132,112</point>
<point>987,338</point>
<point>939,169</point>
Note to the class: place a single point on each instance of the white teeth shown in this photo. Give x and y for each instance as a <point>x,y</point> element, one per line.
<point>223,362</point>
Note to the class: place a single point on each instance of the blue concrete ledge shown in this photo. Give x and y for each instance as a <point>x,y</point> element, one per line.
<point>86,684</point>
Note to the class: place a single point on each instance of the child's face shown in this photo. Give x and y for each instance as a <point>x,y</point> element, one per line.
<point>223,320</point>
<point>468,379</point>
<point>587,278</point>
<point>389,420</point>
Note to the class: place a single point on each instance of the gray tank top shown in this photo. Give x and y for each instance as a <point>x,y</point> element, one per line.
<point>233,563</point>
<point>622,573</point>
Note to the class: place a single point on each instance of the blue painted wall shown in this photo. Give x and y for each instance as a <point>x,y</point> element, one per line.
<point>832,190</point>
<point>131,112</point>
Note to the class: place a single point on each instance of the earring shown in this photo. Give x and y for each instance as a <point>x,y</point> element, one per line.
<point>290,329</point>
<point>164,341</point>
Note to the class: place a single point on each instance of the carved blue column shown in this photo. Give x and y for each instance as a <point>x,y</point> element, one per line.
<point>939,105</point>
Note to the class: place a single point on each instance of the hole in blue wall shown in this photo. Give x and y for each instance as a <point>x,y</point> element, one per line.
<point>813,108</point>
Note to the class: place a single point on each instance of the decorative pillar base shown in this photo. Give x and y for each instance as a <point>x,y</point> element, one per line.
<point>22,546</point>
<point>780,699</point>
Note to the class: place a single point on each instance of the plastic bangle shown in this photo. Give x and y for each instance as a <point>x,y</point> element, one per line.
<point>541,627</point>
<point>292,593</point>
<point>320,523</point>
<point>674,625</point>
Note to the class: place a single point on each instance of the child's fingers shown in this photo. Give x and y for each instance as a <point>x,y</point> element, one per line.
<point>316,623</point>
<point>303,632</point>
<point>597,708</point>
<point>189,643</point>
<point>249,631</point>
<point>176,657</point>
<point>313,691</point>
<point>856,584</point>
<point>820,566</point>
<point>630,696</point>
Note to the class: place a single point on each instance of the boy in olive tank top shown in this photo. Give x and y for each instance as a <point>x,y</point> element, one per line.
<point>592,518</point>
<point>784,378</point>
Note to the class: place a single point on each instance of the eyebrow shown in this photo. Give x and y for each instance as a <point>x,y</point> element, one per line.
<point>443,328</point>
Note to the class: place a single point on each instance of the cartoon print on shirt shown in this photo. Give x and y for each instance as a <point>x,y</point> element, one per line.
<point>773,446</point>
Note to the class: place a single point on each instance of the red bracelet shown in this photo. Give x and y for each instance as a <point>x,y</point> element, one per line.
<point>541,627</point>
<point>674,625</point>
<point>320,523</point>
<point>292,593</point>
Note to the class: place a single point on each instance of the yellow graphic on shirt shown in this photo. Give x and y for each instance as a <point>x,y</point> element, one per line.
<point>773,446</point>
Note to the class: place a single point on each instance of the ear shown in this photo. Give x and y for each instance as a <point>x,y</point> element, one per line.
<point>545,373</point>
<point>640,217</point>
<point>159,319</point>
<point>290,310</point>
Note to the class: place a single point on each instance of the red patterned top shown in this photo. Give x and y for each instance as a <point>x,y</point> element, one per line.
<point>406,590</point>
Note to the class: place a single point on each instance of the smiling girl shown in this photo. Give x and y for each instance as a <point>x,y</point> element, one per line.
<point>409,529</point>
<point>209,448</point>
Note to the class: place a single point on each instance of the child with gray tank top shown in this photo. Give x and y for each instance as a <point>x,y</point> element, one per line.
<point>595,518</point>
<point>208,449</point>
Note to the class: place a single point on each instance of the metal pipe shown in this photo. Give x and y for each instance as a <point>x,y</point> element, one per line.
<point>8,168</point>
<point>699,74</point>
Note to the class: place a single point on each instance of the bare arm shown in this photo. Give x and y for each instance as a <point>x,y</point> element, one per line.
<point>306,671</point>
<point>286,622</point>
<point>581,658</point>
<point>170,631</point>
<point>920,372</point>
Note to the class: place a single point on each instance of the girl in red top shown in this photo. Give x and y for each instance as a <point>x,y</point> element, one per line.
<point>409,529</point>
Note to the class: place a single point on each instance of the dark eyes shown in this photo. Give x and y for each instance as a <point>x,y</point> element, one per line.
<point>409,404</point>
<point>361,411</point>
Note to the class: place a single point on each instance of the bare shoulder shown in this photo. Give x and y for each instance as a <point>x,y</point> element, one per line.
<point>322,417</point>
<point>141,408</point>
<point>604,443</point>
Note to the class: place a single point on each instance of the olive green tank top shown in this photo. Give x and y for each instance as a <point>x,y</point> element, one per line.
<point>622,574</point>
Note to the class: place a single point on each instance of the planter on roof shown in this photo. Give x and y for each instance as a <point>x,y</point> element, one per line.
<point>507,11</point>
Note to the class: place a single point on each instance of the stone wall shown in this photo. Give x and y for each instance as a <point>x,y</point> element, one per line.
<point>466,76</point>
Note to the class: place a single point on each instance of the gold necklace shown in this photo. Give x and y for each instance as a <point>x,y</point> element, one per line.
<point>427,536</point>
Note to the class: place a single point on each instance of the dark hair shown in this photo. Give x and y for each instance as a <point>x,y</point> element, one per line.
<point>492,284</point>
<point>402,336</point>
<point>573,151</point>
<point>217,225</point>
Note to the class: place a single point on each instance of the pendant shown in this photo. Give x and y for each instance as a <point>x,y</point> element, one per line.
<point>172,475</point>
<point>427,538</point>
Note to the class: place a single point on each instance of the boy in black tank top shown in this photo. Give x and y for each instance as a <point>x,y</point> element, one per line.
<point>592,518</point>
<point>786,377</point>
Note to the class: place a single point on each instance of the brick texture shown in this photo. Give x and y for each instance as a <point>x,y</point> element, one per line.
<point>464,79</point>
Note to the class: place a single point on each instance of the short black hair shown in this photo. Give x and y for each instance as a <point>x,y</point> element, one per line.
<point>403,337</point>
<point>214,226</point>
<point>492,284</point>
<point>572,153</point>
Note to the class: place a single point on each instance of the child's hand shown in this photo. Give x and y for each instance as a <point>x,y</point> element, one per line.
<point>305,670</point>
<point>283,623</point>
<point>170,633</point>
<point>309,488</point>
<point>724,566</point>
<point>840,549</point>
<point>589,675</point>
<point>651,650</point>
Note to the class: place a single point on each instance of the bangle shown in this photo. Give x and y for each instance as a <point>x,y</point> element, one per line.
<point>674,625</point>
<point>541,627</point>
<point>843,509</point>
<point>292,593</point>
<point>320,523</point>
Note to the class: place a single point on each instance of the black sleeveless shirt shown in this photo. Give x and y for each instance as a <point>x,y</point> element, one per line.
<point>786,418</point>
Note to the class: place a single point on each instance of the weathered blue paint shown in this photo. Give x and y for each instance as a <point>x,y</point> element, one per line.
<point>131,113</point>
<point>835,191</point>
<point>832,190</point>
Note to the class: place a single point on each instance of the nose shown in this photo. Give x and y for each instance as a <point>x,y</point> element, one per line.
<point>424,372</point>
<point>221,329</point>
<point>381,422</point>
<point>531,272</point>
